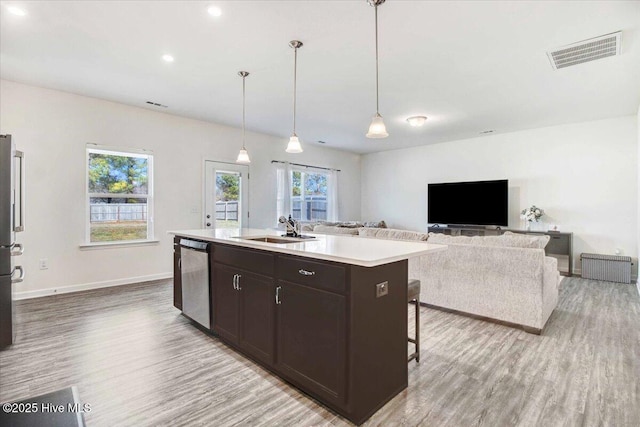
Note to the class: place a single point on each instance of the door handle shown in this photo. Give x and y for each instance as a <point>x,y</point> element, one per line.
<point>208,224</point>
<point>19,279</point>
<point>208,216</point>
<point>18,249</point>
<point>20,155</point>
<point>278,301</point>
<point>238,288</point>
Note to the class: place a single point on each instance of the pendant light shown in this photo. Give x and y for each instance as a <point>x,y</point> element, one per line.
<point>377,128</point>
<point>243,156</point>
<point>294,143</point>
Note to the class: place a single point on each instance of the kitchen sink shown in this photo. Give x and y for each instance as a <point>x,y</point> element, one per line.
<point>278,240</point>
<point>268,239</point>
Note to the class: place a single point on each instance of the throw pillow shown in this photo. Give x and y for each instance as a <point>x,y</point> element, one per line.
<point>349,224</point>
<point>375,224</point>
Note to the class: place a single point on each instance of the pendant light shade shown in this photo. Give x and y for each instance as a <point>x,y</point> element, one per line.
<point>243,155</point>
<point>377,129</point>
<point>294,143</point>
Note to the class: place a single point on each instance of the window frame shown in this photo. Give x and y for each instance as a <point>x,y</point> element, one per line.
<point>129,152</point>
<point>304,171</point>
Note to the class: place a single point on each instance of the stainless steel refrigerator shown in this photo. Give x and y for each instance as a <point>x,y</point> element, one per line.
<point>11,222</point>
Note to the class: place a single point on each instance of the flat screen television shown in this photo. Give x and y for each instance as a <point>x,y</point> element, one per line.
<point>469,203</point>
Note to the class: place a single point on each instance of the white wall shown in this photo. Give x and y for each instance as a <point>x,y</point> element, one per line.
<point>583,175</point>
<point>53,127</point>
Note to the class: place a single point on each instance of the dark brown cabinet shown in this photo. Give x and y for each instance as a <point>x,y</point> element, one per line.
<point>226,316</point>
<point>243,301</point>
<point>177,275</point>
<point>311,343</point>
<point>318,324</point>
<point>257,310</point>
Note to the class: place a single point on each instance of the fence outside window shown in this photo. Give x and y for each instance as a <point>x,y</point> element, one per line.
<point>312,208</point>
<point>117,212</point>
<point>227,211</point>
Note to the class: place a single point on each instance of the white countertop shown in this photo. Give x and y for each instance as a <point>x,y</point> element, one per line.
<point>366,252</point>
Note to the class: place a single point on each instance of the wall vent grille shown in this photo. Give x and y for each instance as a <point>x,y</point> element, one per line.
<point>586,51</point>
<point>155,104</point>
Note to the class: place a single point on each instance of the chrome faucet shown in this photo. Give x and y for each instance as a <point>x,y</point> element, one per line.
<point>291,224</point>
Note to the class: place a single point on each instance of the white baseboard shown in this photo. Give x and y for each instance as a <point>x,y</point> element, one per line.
<point>87,286</point>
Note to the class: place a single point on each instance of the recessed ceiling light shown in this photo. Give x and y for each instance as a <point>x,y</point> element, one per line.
<point>168,58</point>
<point>214,11</point>
<point>16,10</point>
<point>416,121</point>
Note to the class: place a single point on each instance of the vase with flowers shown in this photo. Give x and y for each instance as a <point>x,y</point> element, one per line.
<point>531,214</point>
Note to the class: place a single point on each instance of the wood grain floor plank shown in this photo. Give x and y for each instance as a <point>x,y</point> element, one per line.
<point>138,362</point>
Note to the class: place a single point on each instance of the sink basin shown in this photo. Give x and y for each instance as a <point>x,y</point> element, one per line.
<point>269,239</point>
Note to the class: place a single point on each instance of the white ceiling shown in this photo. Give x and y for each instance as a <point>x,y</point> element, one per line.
<point>469,66</point>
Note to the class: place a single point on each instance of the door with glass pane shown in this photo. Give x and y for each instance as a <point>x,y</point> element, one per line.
<point>226,195</point>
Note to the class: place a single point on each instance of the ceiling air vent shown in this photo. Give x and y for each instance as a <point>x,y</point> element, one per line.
<point>155,104</point>
<point>586,50</point>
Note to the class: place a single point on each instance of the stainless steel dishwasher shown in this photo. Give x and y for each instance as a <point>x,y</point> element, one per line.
<point>194,270</point>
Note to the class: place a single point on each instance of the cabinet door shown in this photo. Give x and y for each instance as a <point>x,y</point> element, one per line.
<point>225,303</point>
<point>257,310</point>
<point>177,276</point>
<point>311,340</point>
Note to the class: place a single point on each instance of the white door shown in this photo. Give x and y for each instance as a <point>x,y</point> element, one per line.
<point>226,195</point>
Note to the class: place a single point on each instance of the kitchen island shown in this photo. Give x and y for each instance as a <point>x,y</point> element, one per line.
<point>327,314</point>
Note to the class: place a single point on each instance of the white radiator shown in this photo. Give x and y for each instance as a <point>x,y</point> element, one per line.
<point>610,268</point>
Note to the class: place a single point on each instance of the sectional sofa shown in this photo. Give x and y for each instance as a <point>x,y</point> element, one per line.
<point>503,278</point>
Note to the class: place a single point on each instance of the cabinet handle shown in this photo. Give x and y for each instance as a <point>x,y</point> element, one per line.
<point>179,263</point>
<point>278,302</point>
<point>306,272</point>
<point>235,280</point>
<point>238,288</point>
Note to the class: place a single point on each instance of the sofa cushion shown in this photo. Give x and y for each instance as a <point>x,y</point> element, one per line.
<point>517,240</point>
<point>333,229</point>
<point>375,224</point>
<point>391,233</point>
<point>507,240</point>
<point>445,239</point>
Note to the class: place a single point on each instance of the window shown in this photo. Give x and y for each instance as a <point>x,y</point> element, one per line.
<point>307,194</point>
<point>119,195</point>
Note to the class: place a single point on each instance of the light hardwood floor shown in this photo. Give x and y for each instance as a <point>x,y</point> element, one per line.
<point>138,362</point>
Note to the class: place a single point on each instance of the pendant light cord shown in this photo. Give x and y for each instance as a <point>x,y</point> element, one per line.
<point>295,79</point>
<point>243,108</point>
<point>377,100</point>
